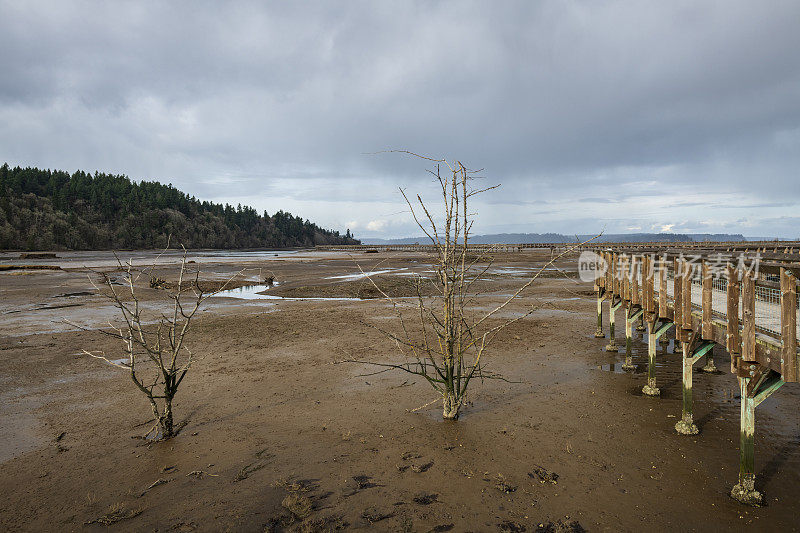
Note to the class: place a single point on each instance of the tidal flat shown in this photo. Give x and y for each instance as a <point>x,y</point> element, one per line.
<point>277,435</point>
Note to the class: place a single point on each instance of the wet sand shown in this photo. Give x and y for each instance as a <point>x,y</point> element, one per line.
<point>266,407</point>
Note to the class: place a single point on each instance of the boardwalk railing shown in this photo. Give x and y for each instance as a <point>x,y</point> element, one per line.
<point>749,309</point>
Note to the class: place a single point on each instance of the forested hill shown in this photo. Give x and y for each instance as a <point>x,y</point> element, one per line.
<point>53,210</point>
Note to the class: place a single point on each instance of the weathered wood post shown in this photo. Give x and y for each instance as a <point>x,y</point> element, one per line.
<point>683,302</point>
<point>663,310</point>
<point>745,491</point>
<point>600,286</point>
<point>707,325</point>
<point>733,337</point>
<point>789,363</point>
<point>757,383</point>
<point>651,316</point>
<point>677,303</point>
<point>632,312</point>
<point>612,306</point>
<point>748,317</point>
<point>598,333</point>
<point>638,271</point>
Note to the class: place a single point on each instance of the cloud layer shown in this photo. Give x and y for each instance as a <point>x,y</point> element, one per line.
<point>615,115</point>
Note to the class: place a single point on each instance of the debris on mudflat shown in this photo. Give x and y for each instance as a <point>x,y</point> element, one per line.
<point>542,475</point>
<point>503,485</point>
<point>561,526</point>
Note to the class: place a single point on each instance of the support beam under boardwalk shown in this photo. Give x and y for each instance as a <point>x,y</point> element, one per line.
<point>691,354</point>
<point>754,390</point>
<point>656,330</point>
<point>630,317</point>
<point>612,310</point>
<point>601,293</point>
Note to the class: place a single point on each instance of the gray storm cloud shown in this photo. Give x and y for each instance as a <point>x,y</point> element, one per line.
<point>592,115</point>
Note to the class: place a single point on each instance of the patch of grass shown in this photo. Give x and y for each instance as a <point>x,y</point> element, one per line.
<point>299,505</point>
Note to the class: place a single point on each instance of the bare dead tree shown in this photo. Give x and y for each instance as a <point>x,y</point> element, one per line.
<point>447,342</point>
<point>157,358</point>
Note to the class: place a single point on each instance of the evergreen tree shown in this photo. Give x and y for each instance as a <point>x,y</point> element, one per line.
<point>53,210</point>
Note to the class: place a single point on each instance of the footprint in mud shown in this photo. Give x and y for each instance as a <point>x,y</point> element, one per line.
<point>422,468</point>
<point>425,498</point>
<point>373,514</point>
<point>417,466</point>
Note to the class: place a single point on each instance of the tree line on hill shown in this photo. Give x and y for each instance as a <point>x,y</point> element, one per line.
<point>53,210</point>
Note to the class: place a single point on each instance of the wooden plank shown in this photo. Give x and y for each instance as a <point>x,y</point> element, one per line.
<point>686,294</point>
<point>649,286</point>
<point>789,326</point>
<point>677,294</point>
<point>734,343</point>
<point>599,281</point>
<point>708,332</point>
<point>614,276</point>
<point>662,288</point>
<point>626,277</point>
<point>748,317</point>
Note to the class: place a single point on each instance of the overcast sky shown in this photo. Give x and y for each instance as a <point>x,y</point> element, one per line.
<point>679,116</point>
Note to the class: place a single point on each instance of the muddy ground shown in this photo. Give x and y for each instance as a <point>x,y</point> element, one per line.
<point>272,424</point>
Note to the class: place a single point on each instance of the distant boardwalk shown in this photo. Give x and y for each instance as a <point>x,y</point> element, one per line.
<point>782,247</point>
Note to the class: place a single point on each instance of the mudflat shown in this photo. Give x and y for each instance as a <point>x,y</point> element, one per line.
<point>277,435</point>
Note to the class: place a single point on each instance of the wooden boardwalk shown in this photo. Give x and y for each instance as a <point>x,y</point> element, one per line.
<point>747,305</point>
<point>765,247</point>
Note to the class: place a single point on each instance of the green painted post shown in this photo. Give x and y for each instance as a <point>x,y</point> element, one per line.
<point>599,332</point>
<point>686,424</point>
<point>650,389</point>
<point>745,491</point>
<point>628,364</point>
<point>612,343</point>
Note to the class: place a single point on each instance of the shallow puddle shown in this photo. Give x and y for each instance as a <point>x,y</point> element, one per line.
<point>361,275</point>
<point>256,292</point>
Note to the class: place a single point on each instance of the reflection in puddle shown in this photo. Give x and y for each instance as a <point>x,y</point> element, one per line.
<point>617,369</point>
<point>254,292</point>
<point>361,275</point>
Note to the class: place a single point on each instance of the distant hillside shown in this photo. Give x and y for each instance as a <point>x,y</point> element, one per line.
<point>525,238</point>
<point>53,210</point>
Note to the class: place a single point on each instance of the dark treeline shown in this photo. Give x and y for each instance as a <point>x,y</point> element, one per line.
<point>53,210</point>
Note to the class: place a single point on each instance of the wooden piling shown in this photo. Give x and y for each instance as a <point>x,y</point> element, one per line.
<point>677,305</point>
<point>745,491</point>
<point>748,317</point>
<point>708,332</point>
<point>662,289</point>
<point>650,389</point>
<point>686,295</point>
<point>789,364</point>
<point>734,340</point>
